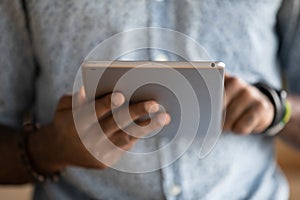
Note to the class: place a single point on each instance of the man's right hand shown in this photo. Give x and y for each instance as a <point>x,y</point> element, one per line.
<point>58,145</point>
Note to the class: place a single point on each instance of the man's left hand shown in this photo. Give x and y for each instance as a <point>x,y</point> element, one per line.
<point>247,109</point>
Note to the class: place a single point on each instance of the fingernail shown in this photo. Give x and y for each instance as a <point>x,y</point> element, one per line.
<point>117,99</point>
<point>163,119</point>
<point>152,107</point>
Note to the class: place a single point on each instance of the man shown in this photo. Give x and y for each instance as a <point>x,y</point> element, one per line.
<point>43,43</point>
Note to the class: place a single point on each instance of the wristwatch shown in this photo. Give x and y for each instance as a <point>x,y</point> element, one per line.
<point>282,108</point>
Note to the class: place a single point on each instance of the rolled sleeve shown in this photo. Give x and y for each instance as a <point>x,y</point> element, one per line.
<point>16,64</point>
<point>289,52</point>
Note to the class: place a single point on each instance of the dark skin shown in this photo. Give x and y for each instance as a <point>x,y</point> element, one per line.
<point>64,148</point>
<point>57,145</point>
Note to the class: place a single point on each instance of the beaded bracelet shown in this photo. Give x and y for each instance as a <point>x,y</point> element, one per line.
<point>26,158</point>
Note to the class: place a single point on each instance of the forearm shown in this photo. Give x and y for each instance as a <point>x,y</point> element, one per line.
<point>12,171</point>
<point>291,133</point>
<point>45,157</point>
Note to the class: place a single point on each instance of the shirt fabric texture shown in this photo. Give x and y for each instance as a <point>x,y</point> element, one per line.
<point>43,43</point>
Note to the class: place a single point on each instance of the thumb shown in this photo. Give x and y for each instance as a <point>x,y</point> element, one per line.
<point>67,100</point>
<point>227,75</point>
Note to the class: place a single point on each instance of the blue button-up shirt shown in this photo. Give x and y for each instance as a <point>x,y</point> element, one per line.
<point>54,36</point>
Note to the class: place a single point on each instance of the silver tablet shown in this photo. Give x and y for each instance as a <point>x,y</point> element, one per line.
<point>192,92</point>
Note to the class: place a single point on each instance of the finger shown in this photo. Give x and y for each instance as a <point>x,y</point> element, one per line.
<point>248,121</point>
<point>131,134</point>
<point>267,114</point>
<point>90,113</point>
<point>125,141</point>
<point>80,97</point>
<point>65,101</point>
<point>120,118</point>
<point>264,112</point>
<point>227,75</point>
<point>232,87</point>
<point>96,133</point>
<point>236,108</point>
<point>107,103</point>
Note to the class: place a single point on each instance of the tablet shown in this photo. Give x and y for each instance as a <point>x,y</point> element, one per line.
<point>192,92</point>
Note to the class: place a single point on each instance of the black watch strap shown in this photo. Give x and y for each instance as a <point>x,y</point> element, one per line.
<point>278,99</point>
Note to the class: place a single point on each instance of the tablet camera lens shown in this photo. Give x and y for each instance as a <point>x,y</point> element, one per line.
<point>213,65</point>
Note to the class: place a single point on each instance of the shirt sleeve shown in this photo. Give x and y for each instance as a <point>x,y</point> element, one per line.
<point>16,64</point>
<point>288,28</point>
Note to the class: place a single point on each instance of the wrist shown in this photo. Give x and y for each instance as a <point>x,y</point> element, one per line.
<point>42,150</point>
<point>281,108</point>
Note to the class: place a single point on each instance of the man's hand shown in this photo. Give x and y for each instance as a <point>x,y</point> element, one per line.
<point>58,145</point>
<point>247,109</point>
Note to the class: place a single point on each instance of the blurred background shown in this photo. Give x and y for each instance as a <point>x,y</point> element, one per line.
<point>288,159</point>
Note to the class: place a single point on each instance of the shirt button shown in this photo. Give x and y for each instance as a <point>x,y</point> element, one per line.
<point>175,190</point>
<point>161,57</point>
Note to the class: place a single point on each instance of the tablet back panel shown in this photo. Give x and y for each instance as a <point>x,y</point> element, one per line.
<point>191,92</point>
